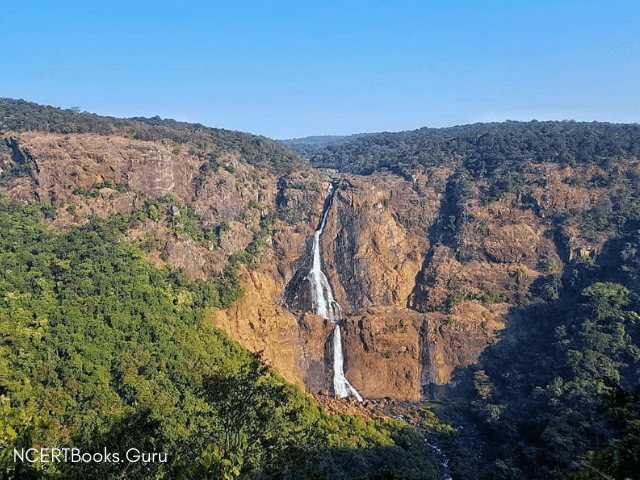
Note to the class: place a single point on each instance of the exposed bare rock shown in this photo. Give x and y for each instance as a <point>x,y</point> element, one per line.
<point>316,360</point>
<point>375,239</point>
<point>382,350</point>
<point>64,170</point>
<point>454,340</point>
<point>425,267</point>
<point>184,254</point>
<point>259,324</point>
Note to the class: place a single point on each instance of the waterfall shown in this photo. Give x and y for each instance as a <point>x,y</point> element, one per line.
<point>341,385</point>
<point>325,306</point>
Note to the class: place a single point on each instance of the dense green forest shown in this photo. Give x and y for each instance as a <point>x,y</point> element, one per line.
<point>309,146</point>
<point>563,399</point>
<point>483,149</point>
<point>102,351</point>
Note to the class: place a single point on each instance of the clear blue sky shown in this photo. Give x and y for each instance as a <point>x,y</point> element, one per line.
<point>291,69</point>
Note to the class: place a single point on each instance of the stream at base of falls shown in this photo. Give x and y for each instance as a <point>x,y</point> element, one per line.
<point>441,458</point>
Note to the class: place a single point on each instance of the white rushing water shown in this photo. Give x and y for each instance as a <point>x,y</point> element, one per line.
<point>325,306</point>
<point>441,458</point>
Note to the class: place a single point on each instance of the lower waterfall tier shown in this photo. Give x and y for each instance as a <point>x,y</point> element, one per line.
<point>341,385</point>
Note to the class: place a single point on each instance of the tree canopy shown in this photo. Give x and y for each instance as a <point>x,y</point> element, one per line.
<point>102,351</point>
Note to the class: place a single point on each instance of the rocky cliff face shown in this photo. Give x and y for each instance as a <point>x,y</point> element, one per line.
<point>71,171</point>
<point>425,269</point>
<point>376,249</point>
<point>428,272</point>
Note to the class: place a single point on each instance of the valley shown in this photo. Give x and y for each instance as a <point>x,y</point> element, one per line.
<point>489,271</point>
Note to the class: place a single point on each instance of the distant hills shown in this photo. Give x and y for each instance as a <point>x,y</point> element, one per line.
<point>482,148</point>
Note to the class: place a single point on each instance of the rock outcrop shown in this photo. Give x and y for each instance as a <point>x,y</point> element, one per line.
<point>425,269</point>
<point>427,273</point>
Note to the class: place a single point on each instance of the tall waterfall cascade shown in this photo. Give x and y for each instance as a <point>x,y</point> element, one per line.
<point>325,306</point>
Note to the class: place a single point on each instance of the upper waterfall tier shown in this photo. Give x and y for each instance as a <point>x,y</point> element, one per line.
<point>321,294</point>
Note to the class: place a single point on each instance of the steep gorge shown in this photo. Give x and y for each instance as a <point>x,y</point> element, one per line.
<point>426,289</point>
<point>424,267</point>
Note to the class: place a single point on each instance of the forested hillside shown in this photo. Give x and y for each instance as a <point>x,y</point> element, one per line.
<point>120,239</point>
<point>483,149</point>
<point>557,396</point>
<point>101,350</point>
<point>20,115</point>
<point>309,146</point>
<point>561,394</point>
<point>489,272</point>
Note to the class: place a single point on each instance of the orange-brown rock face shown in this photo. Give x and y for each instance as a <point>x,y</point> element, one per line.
<point>61,163</point>
<point>375,239</point>
<point>425,271</point>
<point>426,275</point>
<point>259,324</point>
<point>55,168</point>
<point>382,352</point>
<point>58,167</point>
<point>374,246</point>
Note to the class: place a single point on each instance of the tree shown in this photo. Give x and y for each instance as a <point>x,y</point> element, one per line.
<point>261,424</point>
<point>620,458</point>
<point>608,299</point>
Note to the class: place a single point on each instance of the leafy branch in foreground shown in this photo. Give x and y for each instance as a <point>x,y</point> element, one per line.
<point>262,425</point>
